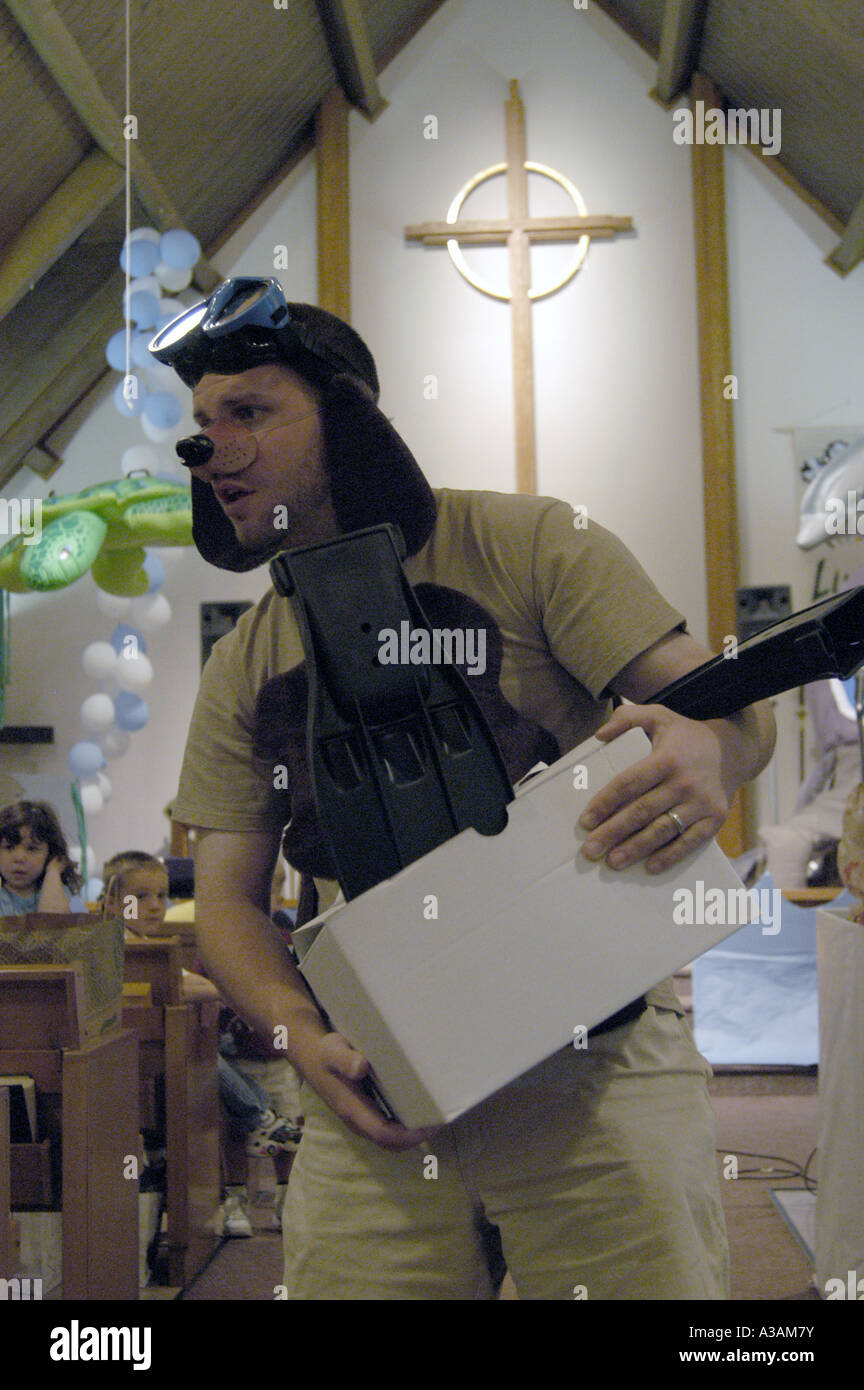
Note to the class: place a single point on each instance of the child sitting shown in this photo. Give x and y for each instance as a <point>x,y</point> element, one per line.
<point>136,888</point>
<point>36,873</point>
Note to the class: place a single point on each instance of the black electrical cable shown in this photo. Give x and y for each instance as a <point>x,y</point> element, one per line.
<point>794,1170</point>
<point>810,1183</point>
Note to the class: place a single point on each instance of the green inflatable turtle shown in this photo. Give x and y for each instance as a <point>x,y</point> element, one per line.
<point>103,528</point>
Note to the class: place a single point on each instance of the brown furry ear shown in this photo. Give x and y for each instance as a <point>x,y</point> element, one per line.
<point>374,477</point>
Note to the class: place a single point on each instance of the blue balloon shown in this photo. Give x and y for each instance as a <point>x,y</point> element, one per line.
<point>115,351</point>
<point>140,256</point>
<point>129,404</point>
<point>163,410</point>
<point>121,632</point>
<point>130,711</point>
<point>141,354</point>
<point>93,889</point>
<point>143,308</point>
<point>179,249</point>
<point>85,758</point>
<point>155,567</point>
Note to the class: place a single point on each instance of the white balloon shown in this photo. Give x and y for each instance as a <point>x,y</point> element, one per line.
<point>104,785</point>
<point>134,672</point>
<point>148,283</point>
<point>114,743</point>
<point>171,278</point>
<point>112,605</point>
<point>145,234</point>
<point>75,856</point>
<point>160,436</point>
<point>172,307</point>
<point>97,713</point>
<point>141,456</point>
<point>99,659</point>
<point>150,612</point>
<point>91,799</point>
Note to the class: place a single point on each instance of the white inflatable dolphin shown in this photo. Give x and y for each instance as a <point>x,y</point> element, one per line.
<point>826,507</point>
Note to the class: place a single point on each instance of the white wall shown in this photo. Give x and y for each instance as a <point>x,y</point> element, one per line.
<point>798,353</point>
<point>615,351</point>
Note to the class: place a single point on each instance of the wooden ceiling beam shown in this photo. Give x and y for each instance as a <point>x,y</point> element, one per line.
<point>49,36</point>
<point>41,460</point>
<point>54,381</point>
<point>351,53</point>
<point>680,41</point>
<point>850,250</point>
<point>68,212</point>
<point>334,205</point>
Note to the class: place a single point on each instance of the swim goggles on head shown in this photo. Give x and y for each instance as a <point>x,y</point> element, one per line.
<point>200,339</point>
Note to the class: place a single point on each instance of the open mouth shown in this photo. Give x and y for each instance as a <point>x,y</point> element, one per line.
<point>231,493</point>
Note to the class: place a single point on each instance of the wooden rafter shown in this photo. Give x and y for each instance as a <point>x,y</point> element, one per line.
<point>51,39</point>
<point>351,52</point>
<point>679,46</point>
<point>54,382</point>
<point>851,248</point>
<point>68,212</point>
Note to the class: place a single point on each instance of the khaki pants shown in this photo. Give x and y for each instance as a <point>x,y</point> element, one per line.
<point>598,1167</point>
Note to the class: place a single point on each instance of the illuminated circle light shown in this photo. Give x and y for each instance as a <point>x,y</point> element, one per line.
<point>456,256</point>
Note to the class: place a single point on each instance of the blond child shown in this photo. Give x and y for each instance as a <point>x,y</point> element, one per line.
<point>136,889</point>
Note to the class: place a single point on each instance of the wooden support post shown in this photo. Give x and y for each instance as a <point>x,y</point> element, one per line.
<point>722,573</point>
<point>520,304</point>
<point>334,224</point>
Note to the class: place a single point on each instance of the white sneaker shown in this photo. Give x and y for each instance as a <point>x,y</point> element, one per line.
<point>237,1221</point>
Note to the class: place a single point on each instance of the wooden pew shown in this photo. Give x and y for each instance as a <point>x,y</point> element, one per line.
<point>88,1118</point>
<point>184,929</point>
<point>6,1268</point>
<point>178,1048</point>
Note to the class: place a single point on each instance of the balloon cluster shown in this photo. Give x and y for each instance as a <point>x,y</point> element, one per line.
<point>122,668</point>
<point>161,264</point>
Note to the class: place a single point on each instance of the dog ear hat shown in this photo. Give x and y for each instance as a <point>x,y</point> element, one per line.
<point>374,477</point>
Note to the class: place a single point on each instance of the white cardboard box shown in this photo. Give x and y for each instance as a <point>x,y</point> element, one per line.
<point>478,961</point>
<point>840,1194</point>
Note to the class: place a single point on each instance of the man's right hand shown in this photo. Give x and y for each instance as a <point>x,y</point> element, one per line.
<point>335,1071</point>
<point>246,957</point>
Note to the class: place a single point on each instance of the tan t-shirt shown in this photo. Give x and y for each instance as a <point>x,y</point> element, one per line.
<point>563,608</point>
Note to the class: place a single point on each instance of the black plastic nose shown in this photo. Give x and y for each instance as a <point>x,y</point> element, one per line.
<point>195,449</point>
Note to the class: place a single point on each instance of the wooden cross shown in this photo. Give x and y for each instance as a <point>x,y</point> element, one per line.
<point>518,230</point>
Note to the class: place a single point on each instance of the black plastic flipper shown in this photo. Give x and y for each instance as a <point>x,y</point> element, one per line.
<point>400,756</point>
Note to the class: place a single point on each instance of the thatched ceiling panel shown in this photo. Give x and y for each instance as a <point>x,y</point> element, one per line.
<point>39,132</point>
<point>221,92</point>
<point>808,62</point>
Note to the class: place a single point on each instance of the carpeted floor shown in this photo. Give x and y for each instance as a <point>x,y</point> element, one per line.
<point>772,1113</point>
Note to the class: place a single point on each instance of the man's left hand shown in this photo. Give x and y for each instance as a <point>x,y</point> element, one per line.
<point>683,773</point>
